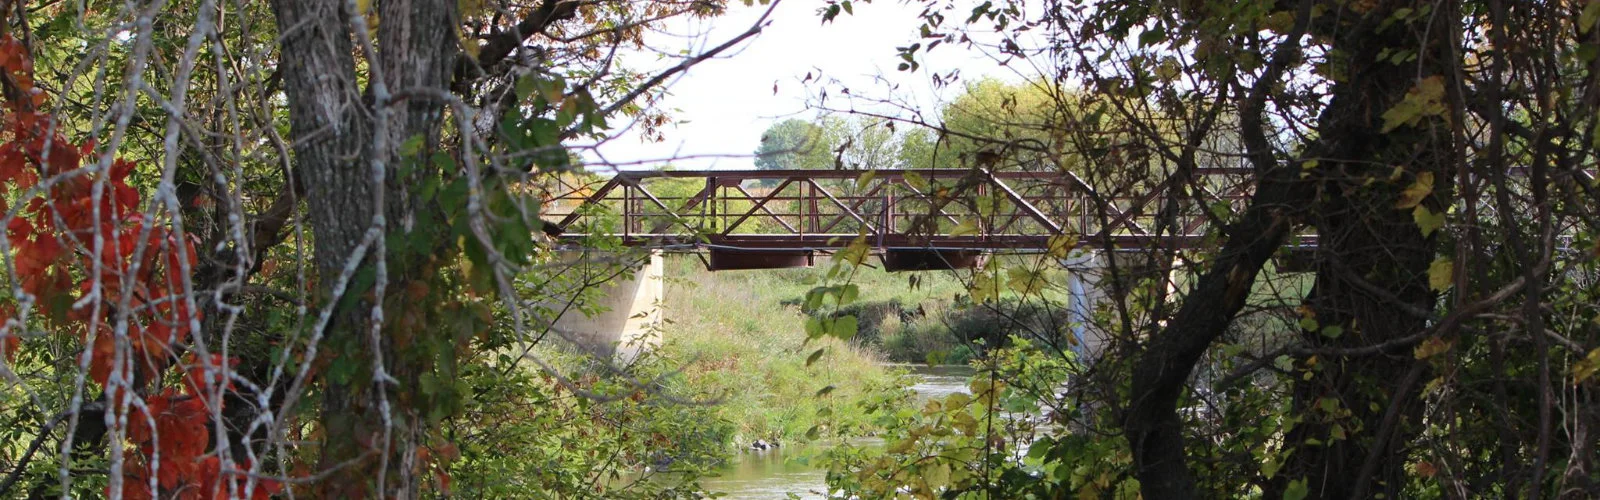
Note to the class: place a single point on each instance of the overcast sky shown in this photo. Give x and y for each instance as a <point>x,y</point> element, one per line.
<point>728,102</point>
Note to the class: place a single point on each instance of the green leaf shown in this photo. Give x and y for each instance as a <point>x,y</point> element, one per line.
<point>831,12</point>
<point>814,300</point>
<point>412,146</point>
<point>1297,490</point>
<point>1332,331</point>
<point>815,327</point>
<point>848,293</point>
<point>1283,362</point>
<point>1588,52</point>
<point>1309,324</point>
<point>525,87</point>
<point>1270,468</point>
<point>814,356</point>
<point>979,11</point>
<point>1586,20</point>
<point>845,327</point>
<point>1152,36</point>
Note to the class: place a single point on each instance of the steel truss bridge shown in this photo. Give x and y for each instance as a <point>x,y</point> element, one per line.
<point>917,219</point>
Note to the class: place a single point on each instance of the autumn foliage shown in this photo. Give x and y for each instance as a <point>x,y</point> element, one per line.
<point>100,269</point>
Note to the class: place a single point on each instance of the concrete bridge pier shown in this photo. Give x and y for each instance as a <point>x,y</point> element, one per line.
<point>1089,288</point>
<point>628,321</point>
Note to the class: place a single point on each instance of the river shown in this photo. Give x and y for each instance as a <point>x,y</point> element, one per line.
<point>771,475</point>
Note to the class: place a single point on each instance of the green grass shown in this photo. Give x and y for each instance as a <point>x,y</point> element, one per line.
<point>737,337</point>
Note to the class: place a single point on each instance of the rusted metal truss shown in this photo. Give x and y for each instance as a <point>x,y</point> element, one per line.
<point>964,209</point>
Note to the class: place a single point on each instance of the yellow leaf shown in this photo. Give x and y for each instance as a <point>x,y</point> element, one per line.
<point>1426,220</point>
<point>866,178</point>
<point>1425,99</point>
<point>985,287</point>
<point>856,252</point>
<point>967,227</point>
<point>965,423</point>
<point>1430,348</point>
<point>1418,190</point>
<point>1279,21</point>
<point>901,446</point>
<point>1059,245</point>
<point>957,400</point>
<point>1441,274</point>
<point>1586,367</point>
<point>938,476</point>
<point>468,44</point>
<point>915,180</point>
<point>1024,281</point>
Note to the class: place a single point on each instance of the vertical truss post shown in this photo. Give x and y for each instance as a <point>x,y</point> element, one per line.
<point>811,203</point>
<point>888,225</point>
<point>709,206</point>
<point>627,211</point>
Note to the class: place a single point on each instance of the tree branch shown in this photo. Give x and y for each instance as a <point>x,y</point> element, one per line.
<point>501,44</point>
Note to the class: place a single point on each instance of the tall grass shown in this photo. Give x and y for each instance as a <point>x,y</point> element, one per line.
<point>737,337</point>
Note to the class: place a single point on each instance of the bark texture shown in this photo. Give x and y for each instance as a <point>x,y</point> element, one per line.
<point>1357,411</point>
<point>344,136</point>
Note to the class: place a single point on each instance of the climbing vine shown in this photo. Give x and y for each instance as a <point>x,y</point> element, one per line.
<point>106,275</point>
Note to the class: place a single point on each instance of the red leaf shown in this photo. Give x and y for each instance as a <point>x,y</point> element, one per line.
<point>8,347</point>
<point>8,342</point>
<point>100,361</point>
<point>199,384</point>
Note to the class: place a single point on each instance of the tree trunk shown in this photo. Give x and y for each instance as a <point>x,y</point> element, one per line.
<point>1360,229</point>
<point>346,140</point>
<point>1356,413</point>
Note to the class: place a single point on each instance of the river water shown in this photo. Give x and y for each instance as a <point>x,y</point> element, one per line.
<point>772,475</point>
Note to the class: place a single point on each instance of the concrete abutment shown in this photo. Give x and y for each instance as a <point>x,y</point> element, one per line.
<point>626,321</point>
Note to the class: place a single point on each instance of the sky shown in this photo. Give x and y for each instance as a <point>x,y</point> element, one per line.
<point>727,102</point>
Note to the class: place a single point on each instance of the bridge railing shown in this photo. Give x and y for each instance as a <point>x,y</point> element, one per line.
<point>956,208</point>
